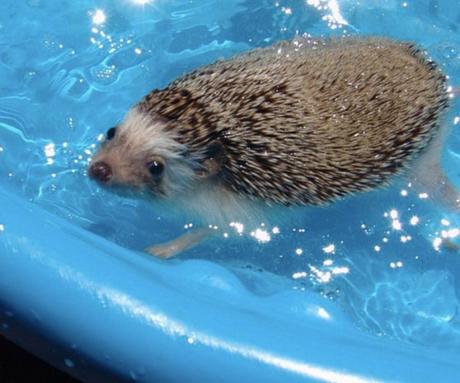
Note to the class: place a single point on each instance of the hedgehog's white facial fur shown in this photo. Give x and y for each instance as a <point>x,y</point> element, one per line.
<point>191,184</point>
<point>137,143</point>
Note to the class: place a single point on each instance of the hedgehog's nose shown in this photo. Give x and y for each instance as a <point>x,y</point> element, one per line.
<point>101,171</point>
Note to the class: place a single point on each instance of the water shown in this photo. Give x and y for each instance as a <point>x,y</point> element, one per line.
<point>70,70</point>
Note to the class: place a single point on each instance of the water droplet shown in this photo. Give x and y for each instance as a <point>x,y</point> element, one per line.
<point>69,363</point>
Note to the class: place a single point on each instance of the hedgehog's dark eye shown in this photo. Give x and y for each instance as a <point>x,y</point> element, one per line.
<point>156,168</point>
<point>111,133</point>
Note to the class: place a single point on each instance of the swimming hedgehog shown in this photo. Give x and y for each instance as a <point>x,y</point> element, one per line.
<point>301,122</point>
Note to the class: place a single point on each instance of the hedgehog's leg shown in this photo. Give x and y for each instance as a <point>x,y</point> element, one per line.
<point>429,177</point>
<point>432,180</point>
<point>185,241</point>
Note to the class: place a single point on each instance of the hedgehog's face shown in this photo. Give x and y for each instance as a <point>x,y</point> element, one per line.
<point>141,154</point>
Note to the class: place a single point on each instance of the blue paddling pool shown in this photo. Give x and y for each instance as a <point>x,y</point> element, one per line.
<point>359,291</point>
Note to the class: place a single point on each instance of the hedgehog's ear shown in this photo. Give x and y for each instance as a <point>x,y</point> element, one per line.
<point>212,161</point>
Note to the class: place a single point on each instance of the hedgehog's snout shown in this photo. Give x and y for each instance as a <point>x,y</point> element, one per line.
<point>101,171</point>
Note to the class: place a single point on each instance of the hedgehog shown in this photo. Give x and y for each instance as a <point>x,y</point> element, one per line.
<point>301,122</point>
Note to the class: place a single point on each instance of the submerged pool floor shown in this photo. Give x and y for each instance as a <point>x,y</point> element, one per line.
<point>70,70</point>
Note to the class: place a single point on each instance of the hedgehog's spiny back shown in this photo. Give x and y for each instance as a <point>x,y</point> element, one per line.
<point>305,122</point>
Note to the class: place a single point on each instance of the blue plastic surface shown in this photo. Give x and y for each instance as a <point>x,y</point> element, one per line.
<point>101,308</point>
<point>73,288</point>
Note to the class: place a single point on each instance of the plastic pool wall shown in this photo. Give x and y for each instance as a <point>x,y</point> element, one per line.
<point>76,290</point>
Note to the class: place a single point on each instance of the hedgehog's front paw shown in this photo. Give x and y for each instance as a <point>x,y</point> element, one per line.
<point>163,250</point>
<point>185,241</point>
